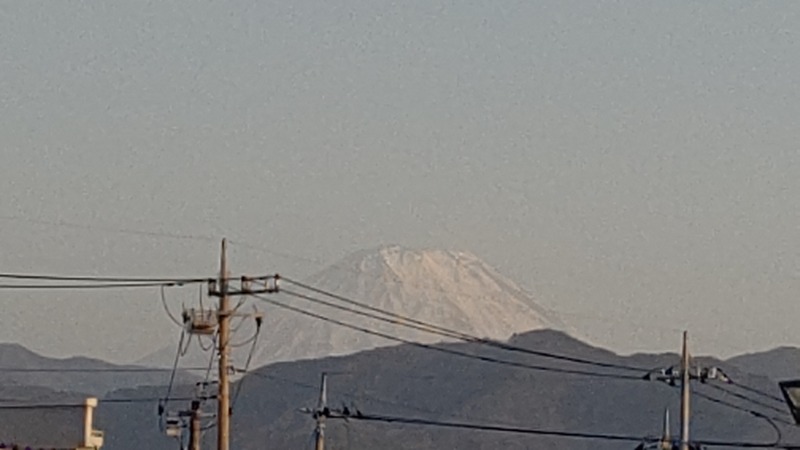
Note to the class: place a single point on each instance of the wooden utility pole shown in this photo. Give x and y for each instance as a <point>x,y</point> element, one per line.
<point>685,392</point>
<point>223,314</point>
<point>203,322</point>
<point>194,426</point>
<point>322,412</point>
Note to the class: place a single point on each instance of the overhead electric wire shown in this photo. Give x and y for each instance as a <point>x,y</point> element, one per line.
<point>182,280</point>
<point>42,406</point>
<point>93,369</point>
<point>145,399</point>
<point>121,285</point>
<point>435,423</point>
<point>247,365</point>
<point>351,396</point>
<point>495,428</point>
<point>736,407</point>
<point>178,355</point>
<point>544,432</point>
<point>758,392</point>
<point>410,322</point>
<point>211,358</point>
<point>160,234</point>
<point>166,308</point>
<point>245,342</point>
<point>203,347</point>
<point>122,400</point>
<point>61,223</point>
<point>448,350</point>
<point>746,398</point>
<point>770,419</point>
<point>361,313</point>
<point>279,379</point>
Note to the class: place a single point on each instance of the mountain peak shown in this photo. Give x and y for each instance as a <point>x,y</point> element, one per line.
<point>451,289</point>
<point>450,273</point>
<point>402,263</point>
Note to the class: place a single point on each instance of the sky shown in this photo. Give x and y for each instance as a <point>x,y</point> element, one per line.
<point>633,164</point>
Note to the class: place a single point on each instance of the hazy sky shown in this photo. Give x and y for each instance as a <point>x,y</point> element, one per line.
<point>637,161</point>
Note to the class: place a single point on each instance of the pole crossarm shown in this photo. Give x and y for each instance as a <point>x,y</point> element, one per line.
<point>267,284</point>
<point>672,375</point>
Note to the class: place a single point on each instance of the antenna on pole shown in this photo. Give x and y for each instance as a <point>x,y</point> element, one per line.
<point>666,439</point>
<point>685,393</point>
<point>321,412</point>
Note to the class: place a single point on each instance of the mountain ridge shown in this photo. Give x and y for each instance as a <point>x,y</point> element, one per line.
<point>78,374</point>
<point>410,381</point>
<point>781,362</point>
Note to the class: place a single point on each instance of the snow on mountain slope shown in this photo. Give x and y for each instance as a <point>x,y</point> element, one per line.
<point>455,290</point>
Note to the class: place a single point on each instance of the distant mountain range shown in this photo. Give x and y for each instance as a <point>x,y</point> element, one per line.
<point>779,363</point>
<point>410,381</point>
<point>22,367</point>
<point>456,290</point>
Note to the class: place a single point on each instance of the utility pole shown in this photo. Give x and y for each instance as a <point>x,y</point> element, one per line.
<point>685,393</point>
<point>176,422</point>
<point>194,427</point>
<point>204,322</point>
<point>684,375</point>
<point>223,314</point>
<point>322,412</point>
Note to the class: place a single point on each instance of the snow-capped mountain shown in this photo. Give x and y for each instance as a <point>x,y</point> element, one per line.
<point>451,289</point>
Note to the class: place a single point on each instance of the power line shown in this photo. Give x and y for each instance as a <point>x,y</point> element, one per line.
<point>495,428</point>
<point>354,397</point>
<point>247,364</point>
<point>166,308</point>
<point>25,276</point>
<point>94,369</point>
<point>427,327</point>
<point>539,432</point>
<point>13,445</point>
<point>278,379</point>
<point>161,234</point>
<point>448,350</point>
<point>42,406</point>
<point>410,322</point>
<point>89,286</point>
<point>747,399</point>
<point>24,406</point>
<point>736,407</point>
<point>211,357</point>
<point>770,419</point>
<point>145,400</point>
<point>65,224</point>
<point>758,392</point>
<point>178,354</point>
<point>461,336</point>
